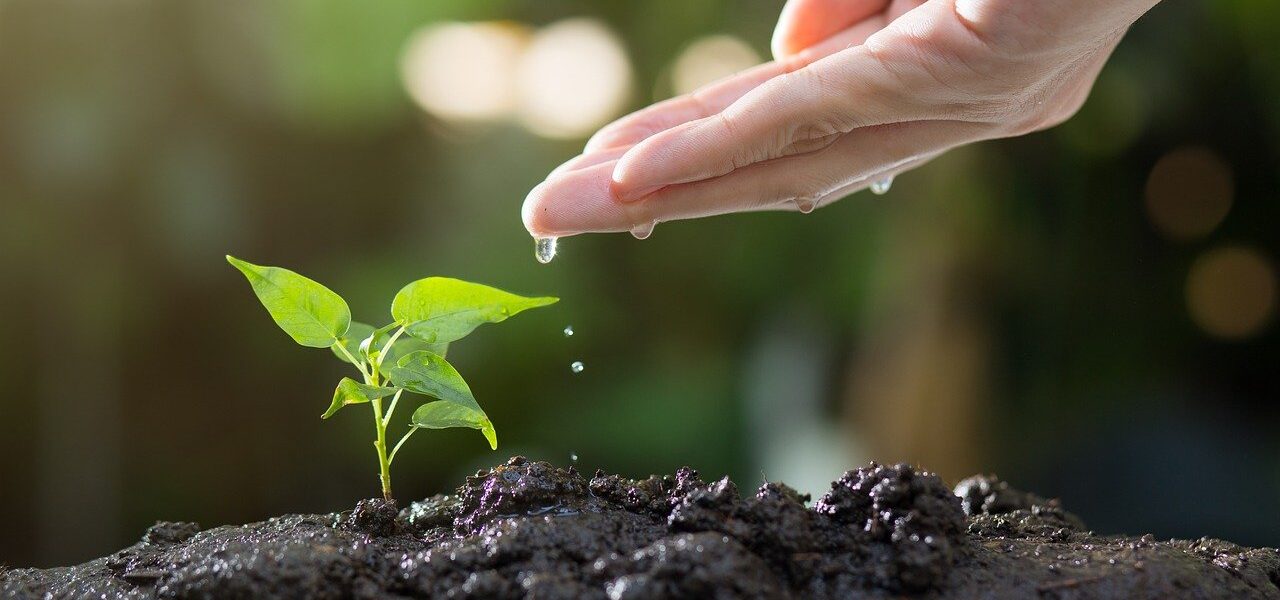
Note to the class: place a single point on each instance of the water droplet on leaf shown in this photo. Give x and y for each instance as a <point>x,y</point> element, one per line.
<point>544,249</point>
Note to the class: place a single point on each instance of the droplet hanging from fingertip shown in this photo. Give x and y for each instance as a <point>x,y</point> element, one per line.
<point>544,249</point>
<point>643,230</point>
<point>881,187</point>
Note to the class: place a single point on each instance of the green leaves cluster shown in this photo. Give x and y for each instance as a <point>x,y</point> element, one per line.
<point>406,355</point>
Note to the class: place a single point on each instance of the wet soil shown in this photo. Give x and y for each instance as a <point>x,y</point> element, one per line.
<point>532,530</point>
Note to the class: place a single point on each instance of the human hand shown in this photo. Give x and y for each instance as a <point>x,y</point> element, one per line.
<point>861,90</point>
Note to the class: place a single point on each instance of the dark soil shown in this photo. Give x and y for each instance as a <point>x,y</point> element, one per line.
<point>531,530</point>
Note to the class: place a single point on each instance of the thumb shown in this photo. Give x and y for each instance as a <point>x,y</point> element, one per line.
<point>804,23</point>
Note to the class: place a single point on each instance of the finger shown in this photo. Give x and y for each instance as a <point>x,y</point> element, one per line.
<point>791,114</point>
<point>575,202</point>
<point>589,159</point>
<point>716,96</point>
<point>804,23</point>
<point>696,105</point>
<point>855,161</point>
<point>581,201</point>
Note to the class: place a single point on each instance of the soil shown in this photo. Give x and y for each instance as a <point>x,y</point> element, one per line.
<point>528,529</point>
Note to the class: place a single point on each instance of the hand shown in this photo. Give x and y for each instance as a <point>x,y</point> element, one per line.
<point>860,90</point>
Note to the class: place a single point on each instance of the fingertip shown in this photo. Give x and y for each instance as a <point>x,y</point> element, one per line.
<point>532,212</point>
<point>598,141</point>
<point>613,137</point>
<point>627,182</point>
<point>685,153</point>
<point>588,159</point>
<point>576,202</point>
<point>783,31</point>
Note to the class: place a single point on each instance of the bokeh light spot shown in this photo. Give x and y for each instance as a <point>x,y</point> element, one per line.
<point>464,71</point>
<point>709,59</point>
<point>574,77</point>
<point>1189,193</point>
<point>1231,292</point>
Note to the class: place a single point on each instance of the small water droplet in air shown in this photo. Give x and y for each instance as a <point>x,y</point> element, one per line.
<point>568,331</point>
<point>544,249</point>
<point>573,456</point>
<point>643,230</point>
<point>805,205</point>
<point>882,186</point>
<point>577,366</point>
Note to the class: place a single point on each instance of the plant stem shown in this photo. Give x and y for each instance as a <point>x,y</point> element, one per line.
<point>400,443</point>
<point>386,419</point>
<point>387,347</point>
<point>384,464</point>
<point>358,363</point>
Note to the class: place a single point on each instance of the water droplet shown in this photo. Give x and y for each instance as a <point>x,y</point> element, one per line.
<point>643,230</point>
<point>573,456</point>
<point>805,205</point>
<point>577,366</point>
<point>544,249</point>
<point>568,331</point>
<point>882,186</point>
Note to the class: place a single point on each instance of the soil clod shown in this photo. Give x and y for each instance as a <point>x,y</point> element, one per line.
<point>374,516</point>
<point>528,529</point>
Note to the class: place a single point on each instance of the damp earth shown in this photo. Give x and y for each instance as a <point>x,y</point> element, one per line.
<point>529,529</point>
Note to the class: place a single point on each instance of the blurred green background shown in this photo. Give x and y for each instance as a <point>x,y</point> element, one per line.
<point>1088,311</point>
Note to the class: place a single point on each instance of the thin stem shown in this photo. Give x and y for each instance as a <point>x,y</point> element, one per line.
<point>380,445</point>
<point>387,347</point>
<point>358,363</point>
<point>386,419</point>
<point>401,443</point>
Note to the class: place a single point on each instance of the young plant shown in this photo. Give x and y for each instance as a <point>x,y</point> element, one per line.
<point>406,355</point>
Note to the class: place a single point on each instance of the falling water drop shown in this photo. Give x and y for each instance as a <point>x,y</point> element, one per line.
<point>577,366</point>
<point>882,186</point>
<point>573,456</point>
<point>568,331</point>
<point>544,249</point>
<point>805,205</point>
<point>643,230</point>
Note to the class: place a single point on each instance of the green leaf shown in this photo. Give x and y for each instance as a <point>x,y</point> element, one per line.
<point>351,340</point>
<point>351,391</point>
<point>310,313</point>
<point>442,415</point>
<point>428,373</point>
<point>441,309</point>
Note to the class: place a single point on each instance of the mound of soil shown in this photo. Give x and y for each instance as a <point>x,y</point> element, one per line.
<point>531,530</point>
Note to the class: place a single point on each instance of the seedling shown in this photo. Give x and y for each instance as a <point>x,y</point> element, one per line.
<point>433,312</point>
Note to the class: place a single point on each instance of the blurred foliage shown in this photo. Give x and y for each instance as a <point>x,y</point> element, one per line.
<point>141,140</point>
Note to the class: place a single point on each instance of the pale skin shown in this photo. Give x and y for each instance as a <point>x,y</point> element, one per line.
<point>859,90</point>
